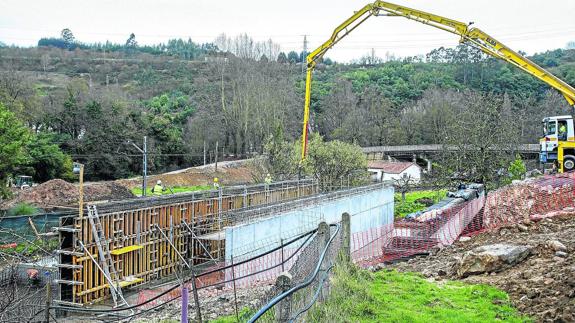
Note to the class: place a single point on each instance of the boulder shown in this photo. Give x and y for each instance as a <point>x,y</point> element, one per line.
<point>491,258</point>
<point>556,245</point>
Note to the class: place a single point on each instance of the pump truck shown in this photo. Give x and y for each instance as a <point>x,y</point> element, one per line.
<point>557,147</point>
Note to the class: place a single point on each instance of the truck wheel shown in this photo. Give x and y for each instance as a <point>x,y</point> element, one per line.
<point>568,163</point>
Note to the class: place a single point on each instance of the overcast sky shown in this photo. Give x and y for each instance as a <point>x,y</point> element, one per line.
<point>528,25</point>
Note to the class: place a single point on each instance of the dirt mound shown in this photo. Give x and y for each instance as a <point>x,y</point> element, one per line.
<point>229,173</point>
<point>543,286</point>
<point>528,199</point>
<point>58,192</point>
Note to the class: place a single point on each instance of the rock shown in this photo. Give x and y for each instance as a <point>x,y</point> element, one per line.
<point>561,254</point>
<point>504,232</point>
<point>522,228</point>
<point>441,272</point>
<point>556,245</point>
<point>491,258</point>
<point>464,239</point>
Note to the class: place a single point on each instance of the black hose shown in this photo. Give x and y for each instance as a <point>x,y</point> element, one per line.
<point>292,290</point>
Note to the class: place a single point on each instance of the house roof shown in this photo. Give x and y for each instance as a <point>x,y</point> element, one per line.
<point>390,167</point>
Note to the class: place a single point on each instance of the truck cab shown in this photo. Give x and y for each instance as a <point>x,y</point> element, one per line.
<point>558,143</point>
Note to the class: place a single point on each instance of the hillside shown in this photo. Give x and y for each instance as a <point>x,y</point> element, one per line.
<point>90,102</point>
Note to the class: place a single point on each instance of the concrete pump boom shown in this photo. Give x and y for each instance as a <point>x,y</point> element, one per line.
<point>472,36</point>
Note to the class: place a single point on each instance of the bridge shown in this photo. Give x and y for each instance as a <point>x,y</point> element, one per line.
<point>434,148</point>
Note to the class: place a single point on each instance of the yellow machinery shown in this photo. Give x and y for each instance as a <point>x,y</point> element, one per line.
<point>562,149</point>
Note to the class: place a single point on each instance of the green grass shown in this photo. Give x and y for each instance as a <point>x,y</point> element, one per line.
<point>388,296</point>
<point>137,191</point>
<point>410,205</point>
<point>245,314</point>
<point>22,209</point>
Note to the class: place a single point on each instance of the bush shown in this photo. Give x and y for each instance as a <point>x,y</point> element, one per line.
<point>22,209</point>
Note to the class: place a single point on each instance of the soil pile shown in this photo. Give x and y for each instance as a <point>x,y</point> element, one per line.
<point>58,192</point>
<point>529,199</point>
<point>542,286</point>
<point>229,173</point>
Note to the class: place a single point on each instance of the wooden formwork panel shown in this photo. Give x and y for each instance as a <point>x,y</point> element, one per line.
<point>151,255</point>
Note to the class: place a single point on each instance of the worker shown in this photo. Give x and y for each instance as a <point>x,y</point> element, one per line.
<point>216,183</point>
<point>159,188</point>
<point>33,277</point>
<point>562,131</point>
<point>268,179</point>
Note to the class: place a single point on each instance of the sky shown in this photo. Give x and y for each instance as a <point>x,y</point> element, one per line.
<point>527,25</point>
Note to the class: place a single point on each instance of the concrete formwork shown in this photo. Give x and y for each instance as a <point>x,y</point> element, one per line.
<point>146,242</point>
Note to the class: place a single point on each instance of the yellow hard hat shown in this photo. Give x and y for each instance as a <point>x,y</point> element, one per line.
<point>215,179</point>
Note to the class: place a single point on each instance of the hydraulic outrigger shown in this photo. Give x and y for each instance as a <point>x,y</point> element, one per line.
<point>564,149</point>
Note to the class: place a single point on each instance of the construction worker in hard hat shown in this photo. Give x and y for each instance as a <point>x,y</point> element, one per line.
<point>562,131</point>
<point>216,183</point>
<point>158,189</point>
<point>268,179</point>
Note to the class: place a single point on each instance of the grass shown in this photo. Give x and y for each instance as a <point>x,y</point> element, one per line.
<point>411,204</point>
<point>245,314</point>
<point>137,191</point>
<point>22,209</point>
<point>388,296</point>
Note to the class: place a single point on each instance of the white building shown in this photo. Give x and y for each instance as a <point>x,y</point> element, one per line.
<point>389,171</point>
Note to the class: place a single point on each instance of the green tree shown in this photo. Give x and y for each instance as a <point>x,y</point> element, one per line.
<point>517,169</point>
<point>282,156</point>
<point>282,58</point>
<point>293,57</point>
<point>131,42</point>
<point>334,162</point>
<point>68,38</point>
<point>47,160</point>
<point>14,137</point>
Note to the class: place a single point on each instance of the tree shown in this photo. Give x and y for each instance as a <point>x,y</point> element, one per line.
<point>282,58</point>
<point>293,57</point>
<point>517,169</point>
<point>68,38</point>
<point>131,43</point>
<point>282,156</point>
<point>481,142</point>
<point>14,137</point>
<point>334,162</point>
<point>46,161</point>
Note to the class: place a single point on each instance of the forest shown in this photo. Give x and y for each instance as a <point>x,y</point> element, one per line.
<point>64,101</point>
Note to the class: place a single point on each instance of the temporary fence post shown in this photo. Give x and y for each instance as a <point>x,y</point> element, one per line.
<point>345,237</point>
<point>283,310</point>
<point>184,305</point>
<point>323,239</point>
<point>235,293</point>
<point>282,249</point>
<point>48,297</point>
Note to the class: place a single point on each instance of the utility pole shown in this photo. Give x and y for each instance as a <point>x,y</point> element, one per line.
<point>204,153</point>
<point>79,169</point>
<point>145,163</point>
<point>304,54</point>
<point>216,156</point>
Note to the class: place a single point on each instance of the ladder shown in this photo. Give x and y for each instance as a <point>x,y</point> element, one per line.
<point>106,260</point>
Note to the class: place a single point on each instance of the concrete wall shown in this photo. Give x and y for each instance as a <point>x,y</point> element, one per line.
<point>372,217</point>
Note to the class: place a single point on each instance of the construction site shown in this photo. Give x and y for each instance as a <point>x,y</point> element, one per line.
<point>432,204</point>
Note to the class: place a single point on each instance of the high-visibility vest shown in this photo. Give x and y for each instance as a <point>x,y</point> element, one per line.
<point>157,190</point>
